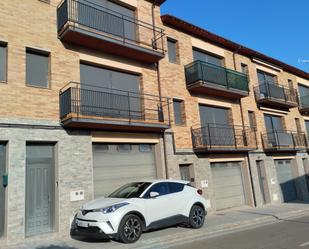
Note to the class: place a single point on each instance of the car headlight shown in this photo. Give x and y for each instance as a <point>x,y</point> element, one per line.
<point>112,208</point>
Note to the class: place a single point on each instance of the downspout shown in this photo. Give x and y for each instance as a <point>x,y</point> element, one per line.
<point>157,65</point>
<point>243,124</point>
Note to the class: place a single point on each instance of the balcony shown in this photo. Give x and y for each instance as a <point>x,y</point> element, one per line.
<point>223,138</point>
<point>304,104</point>
<point>90,107</point>
<point>276,95</point>
<point>202,77</point>
<point>86,24</point>
<point>284,141</point>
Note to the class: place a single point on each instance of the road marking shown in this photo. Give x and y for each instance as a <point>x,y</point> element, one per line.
<point>305,244</point>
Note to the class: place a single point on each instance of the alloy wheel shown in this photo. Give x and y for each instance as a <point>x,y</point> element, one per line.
<point>132,229</point>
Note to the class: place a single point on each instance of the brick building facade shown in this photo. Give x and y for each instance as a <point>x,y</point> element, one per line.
<point>90,89</point>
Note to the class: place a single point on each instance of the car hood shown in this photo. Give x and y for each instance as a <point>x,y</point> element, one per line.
<point>102,203</point>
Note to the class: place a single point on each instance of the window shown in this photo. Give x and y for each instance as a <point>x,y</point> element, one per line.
<point>175,187</point>
<point>145,148</point>
<point>3,62</point>
<point>273,123</point>
<point>290,83</point>
<point>199,55</point>
<point>103,148</point>
<point>214,115</point>
<point>161,188</point>
<point>37,68</point>
<point>172,50</point>
<point>179,112</point>
<point>252,120</point>
<point>244,69</point>
<point>266,78</point>
<point>303,90</point>
<point>297,122</point>
<point>307,127</point>
<point>131,190</point>
<point>124,147</point>
<point>111,21</point>
<point>184,170</point>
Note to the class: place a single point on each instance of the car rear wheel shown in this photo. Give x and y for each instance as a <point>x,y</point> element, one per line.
<point>197,217</point>
<point>130,229</point>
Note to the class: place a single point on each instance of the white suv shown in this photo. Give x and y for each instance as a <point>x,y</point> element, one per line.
<point>141,206</point>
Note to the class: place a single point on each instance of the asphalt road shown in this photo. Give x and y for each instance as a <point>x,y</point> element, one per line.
<point>287,234</point>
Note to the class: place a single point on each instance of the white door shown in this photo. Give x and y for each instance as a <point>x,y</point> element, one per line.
<point>162,206</point>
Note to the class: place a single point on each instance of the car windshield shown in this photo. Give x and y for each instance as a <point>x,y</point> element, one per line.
<point>131,190</point>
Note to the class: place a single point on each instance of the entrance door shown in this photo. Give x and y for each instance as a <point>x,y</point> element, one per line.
<point>262,180</point>
<point>2,190</point>
<point>228,185</point>
<point>39,188</point>
<point>286,180</point>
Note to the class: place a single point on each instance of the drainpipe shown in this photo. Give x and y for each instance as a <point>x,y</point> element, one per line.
<point>157,65</point>
<point>243,124</point>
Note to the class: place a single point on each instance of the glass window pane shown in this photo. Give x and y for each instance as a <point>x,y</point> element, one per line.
<point>124,147</point>
<point>37,69</point>
<point>201,56</point>
<point>171,48</point>
<point>175,187</point>
<point>3,62</point>
<point>145,148</point>
<point>177,105</point>
<point>161,188</point>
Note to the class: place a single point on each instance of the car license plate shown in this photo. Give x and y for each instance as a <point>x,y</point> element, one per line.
<point>82,224</point>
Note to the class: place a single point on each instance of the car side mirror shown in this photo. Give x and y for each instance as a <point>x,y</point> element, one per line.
<point>154,194</point>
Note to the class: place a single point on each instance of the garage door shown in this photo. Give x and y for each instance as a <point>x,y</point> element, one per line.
<point>228,185</point>
<point>286,180</point>
<point>118,164</point>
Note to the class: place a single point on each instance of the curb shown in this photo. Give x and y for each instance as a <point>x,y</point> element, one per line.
<point>176,239</point>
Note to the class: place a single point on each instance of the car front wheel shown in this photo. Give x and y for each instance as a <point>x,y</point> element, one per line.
<point>197,217</point>
<point>130,229</point>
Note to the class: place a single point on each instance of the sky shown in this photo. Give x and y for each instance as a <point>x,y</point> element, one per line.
<point>278,28</point>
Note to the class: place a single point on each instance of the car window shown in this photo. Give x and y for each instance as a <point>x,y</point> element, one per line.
<point>161,188</point>
<point>175,187</point>
<point>131,190</point>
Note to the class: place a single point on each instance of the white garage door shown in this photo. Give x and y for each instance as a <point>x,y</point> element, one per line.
<point>228,185</point>
<point>117,164</point>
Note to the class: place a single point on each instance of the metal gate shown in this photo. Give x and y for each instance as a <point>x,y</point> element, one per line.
<point>39,188</point>
<point>286,180</point>
<point>117,164</point>
<point>228,185</point>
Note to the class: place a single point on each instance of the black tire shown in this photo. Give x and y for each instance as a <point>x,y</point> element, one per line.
<point>130,229</point>
<point>197,217</point>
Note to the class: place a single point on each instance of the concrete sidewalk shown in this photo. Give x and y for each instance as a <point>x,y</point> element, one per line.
<point>220,223</point>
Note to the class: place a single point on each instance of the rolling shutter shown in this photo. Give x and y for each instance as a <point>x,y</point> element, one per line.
<point>286,180</point>
<point>228,185</point>
<point>117,164</point>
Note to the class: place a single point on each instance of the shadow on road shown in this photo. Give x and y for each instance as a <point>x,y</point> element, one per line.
<point>56,247</point>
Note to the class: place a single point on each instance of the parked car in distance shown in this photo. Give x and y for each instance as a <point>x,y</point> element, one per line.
<point>140,206</point>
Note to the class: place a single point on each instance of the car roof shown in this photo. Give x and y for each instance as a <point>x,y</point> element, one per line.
<point>166,180</point>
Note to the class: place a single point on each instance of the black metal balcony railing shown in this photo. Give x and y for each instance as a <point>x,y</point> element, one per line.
<point>284,140</point>
<point>224,137</point>
<point>86,102</point>
<point>213,74</point>
<point>110,25</point>
<point>304,103</point>
<point>274,93</point>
